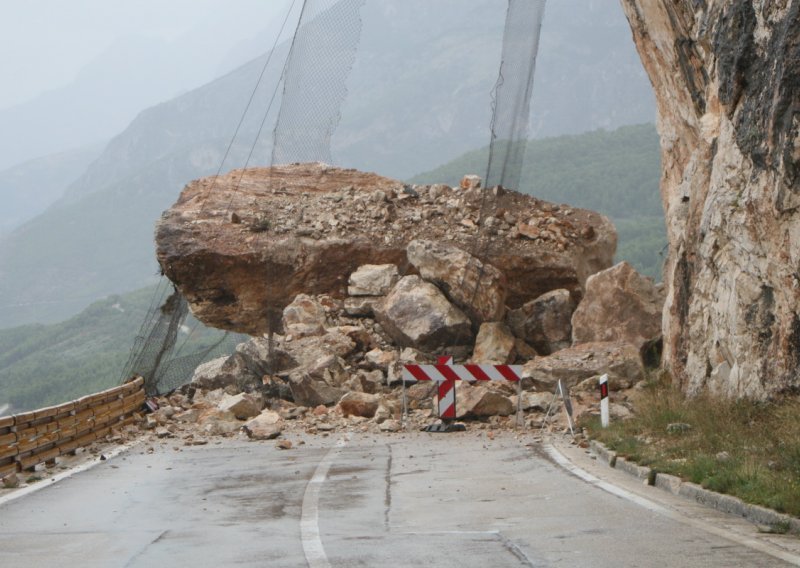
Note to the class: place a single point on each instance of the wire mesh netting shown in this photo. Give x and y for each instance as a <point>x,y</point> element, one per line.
<point>511,98</point>
<point>315,80</point>
<point>313,84</point>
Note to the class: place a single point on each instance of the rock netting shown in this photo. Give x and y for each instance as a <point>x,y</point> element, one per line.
<point>238,243</point>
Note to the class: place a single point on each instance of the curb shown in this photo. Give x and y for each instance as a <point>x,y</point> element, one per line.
<point>692,491</point>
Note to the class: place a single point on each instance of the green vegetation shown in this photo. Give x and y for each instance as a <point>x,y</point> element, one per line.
<point>616,173</point>
<point>42,365</point>
<point>743,448</point>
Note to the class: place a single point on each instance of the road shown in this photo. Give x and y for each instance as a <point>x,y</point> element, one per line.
<point>402,500</point>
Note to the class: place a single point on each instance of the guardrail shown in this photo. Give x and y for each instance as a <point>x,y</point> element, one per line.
<point>40,436</point>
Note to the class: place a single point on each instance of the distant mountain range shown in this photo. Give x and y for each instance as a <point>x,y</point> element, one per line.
<point>27,189</point>
<point>418,97</point>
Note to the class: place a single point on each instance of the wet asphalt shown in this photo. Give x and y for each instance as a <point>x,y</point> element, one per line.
<point>399,500</point>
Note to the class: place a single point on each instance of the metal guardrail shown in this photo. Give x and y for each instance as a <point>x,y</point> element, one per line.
<point>40,436</point>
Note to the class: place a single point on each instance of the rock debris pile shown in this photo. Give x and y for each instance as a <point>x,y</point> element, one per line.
<point>335,359</point>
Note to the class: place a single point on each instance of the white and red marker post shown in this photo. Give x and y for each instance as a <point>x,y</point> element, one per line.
<point>604,401</point>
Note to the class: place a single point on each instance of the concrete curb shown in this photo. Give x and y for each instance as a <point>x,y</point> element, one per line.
<point>676,486</point>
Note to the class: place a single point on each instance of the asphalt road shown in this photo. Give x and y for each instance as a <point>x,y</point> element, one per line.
<point>401,500</point>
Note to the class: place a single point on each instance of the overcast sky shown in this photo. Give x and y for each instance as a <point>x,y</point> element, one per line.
<point>44,43</point>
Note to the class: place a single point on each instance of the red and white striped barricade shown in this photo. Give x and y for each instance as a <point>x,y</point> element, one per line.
<point>446,374</point>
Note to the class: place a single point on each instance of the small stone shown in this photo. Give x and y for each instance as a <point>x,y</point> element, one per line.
<point>11,481</point>
<point>284,445</point>
<point>678,428</point>
<point>470,181</point>
<point>390,426</point>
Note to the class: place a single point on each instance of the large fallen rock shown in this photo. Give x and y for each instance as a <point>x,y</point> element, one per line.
<point>478,401</point>
<point>417,314</point>
<point>304,316</point>
<point>494,344</point>
<point>243,245</point>
<point>309,392</point>
<point>373,280</point>
<point>359,404</point>
<point>215,374</point>
<point>476,287</point>
<point>577,363</point>
<point>545,323</point>
<point>242,406</point>
<point>619,305</point>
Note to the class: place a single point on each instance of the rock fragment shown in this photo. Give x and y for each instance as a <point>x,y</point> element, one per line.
<point>495,344</point>
<point>373,280</point>
<point>359,404</point>
<point>266,426</point>
<point>619,305</point>
<point>545,323</point>
<point>242,406</point>
<point>476,287</point>
<point>417,314</point>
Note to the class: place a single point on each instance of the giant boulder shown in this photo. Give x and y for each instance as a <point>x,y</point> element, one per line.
<point>241,246</point>
<point>619,305</point>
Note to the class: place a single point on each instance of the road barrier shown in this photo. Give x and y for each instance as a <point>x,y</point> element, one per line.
<point>40,436</point>
<point>446,374</point>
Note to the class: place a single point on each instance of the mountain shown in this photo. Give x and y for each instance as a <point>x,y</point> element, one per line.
<point>418,97</point>
<point>27,189</point>
<point>135,70</point>
<point>616,173</point>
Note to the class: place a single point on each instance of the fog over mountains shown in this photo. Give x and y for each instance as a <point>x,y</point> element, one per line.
<point>418,97</point>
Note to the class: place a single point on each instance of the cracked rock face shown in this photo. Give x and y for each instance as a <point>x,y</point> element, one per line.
<point>240,247</point>
<point>726,76</point>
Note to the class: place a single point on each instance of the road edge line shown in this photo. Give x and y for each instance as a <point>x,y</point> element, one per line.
<point>562,461</point>
<point>310,536</point>
<point>33,488</point>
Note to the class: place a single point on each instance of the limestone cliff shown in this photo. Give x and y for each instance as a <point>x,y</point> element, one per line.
<point>726,74</point>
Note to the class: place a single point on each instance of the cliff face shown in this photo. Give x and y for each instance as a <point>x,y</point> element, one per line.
<point>726,75</point>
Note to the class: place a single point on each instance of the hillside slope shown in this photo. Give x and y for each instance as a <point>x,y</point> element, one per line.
<point>49,364</point>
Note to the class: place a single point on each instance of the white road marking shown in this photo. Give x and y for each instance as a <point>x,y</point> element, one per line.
<point>309,516</point>
<point>758,545</point>
<point>64,475</point>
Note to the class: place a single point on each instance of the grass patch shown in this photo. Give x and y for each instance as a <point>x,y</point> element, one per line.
<point>743,448</point>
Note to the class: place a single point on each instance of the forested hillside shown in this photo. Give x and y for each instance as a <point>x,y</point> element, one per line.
<point>616,173</point>
<point>48,364</point>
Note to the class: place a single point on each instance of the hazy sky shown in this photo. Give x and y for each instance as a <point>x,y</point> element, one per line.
<point>44,43</point>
